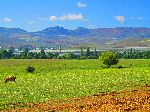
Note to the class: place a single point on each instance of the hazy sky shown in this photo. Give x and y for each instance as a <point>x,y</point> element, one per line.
<point>34,15</point>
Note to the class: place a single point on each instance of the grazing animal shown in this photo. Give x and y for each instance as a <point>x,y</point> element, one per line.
<point>10,78</point>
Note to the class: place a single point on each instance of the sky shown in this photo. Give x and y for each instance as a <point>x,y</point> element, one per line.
<point>36,15</point>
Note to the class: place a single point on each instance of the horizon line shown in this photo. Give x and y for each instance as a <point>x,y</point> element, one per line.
<point>75,28</point>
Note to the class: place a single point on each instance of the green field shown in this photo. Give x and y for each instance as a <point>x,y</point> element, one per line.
<point>62,79</point>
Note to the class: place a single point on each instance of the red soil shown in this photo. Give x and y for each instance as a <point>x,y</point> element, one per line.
<point>137,100</point>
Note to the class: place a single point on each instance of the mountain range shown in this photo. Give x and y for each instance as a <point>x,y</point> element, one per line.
<point>56,36</point>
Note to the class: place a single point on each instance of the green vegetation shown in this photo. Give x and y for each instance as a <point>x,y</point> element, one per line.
<point>26,54</point>
<point>61,79</point>
<point>30,69</point>
<point>109,58</point>
<point>134,54</point>
<point>86,54</point>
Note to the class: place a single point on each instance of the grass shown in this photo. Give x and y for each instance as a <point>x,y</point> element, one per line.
<point>62,79</point>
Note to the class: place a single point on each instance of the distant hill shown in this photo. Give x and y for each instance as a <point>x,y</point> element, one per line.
<point>55,36</point>
<point>11,30</point>
<point>120,32</point>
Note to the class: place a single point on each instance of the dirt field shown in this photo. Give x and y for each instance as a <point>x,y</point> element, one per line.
<point>137,100</point>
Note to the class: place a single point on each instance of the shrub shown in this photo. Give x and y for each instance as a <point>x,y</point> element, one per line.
<point>82,57</point>
<point>130,65</point>
<point>119,67</point>
<point>109,58</point>
<point>30,69</point>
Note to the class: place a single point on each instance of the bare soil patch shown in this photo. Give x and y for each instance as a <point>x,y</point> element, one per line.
<point>136,100</point>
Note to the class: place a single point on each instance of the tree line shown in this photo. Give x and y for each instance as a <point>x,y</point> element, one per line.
<point>134,54</point>
<point>88,54</point>
<point>26,54</point>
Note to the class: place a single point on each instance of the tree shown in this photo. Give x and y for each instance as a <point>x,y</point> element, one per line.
<point>50,55</point>
<point>82,53</point>
<point>31,55</point>
<point>24,54</point>
<point>42,54</point>
<point>69,56</point>
<point>109,58</point>
<point>88,52</point>
<point>3,54</point>
<point>10,52</point>
<point>95,53</point>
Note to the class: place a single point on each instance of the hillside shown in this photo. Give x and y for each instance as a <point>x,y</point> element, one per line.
<point>56,36</point>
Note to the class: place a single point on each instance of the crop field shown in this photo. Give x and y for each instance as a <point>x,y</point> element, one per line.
<point>66,79</point>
